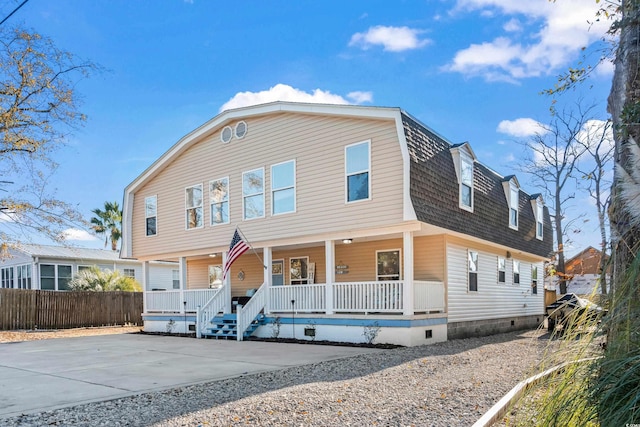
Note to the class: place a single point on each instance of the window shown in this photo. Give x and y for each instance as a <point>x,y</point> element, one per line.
<point>151,215</point>
<point>194,206</point>
<point>473,270</point>
<point>463,159</point>
<point>55,277</point>
<point>23,276</point>
<point>516,272</point>
<point>511,188</point>
<point>283,188</point>
<point>538,210</point>
<point>130,272</point>
<point>6,275</point>
<point>388,265</point>
<point>357,169</point>
<point>534,279</point>
<point>299,270</point>
<point>466,182</point>
<point>219,199</point>
<point>175,276</point>
<point>514,198</point>
<point>253,194</point>
<point>501,270</point>
<point>215,276</point>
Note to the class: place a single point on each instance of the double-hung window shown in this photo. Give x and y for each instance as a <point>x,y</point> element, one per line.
<point>283,188</point>
<point>538,209</point>
<point>466,182</point>
<point>151,215</point>
<point>175,279</point>
<point>514,197</point>
<point>253,194</point>
<point>357,171</point>
<point>130,272</point>
<point>388,265</point>
<point>55,277</point>
<point>193,203</point>
<point>7,277</point>
<point>219,199</point>
<point>534,279</point>
<point>502,271</point>
<point>23,277</point>
<point>516,272</point>
<point>473,270</point>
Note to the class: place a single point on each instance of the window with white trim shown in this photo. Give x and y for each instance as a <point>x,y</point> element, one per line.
<point>472,268</point>
<point>55,277</point>
<point>502,270</point>
<point>299,270</point>
<point>130,272</point>
<point>193,205</point>
<point>516,272</point>
<point>538,210</point>
<point>23,276</point>
<point>6,277</point>
<point>151,215</point>
<point>466,182</point>
<point>253,194</point>
<point>357,162</point>
<point>534,279</point>
<point>388,265</point>
<point>219,199</point>
<point>175,279</point>
<point>283,188</point>
<point>514,202</point>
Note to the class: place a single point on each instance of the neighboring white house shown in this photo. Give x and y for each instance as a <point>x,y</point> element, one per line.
<point>365,223</point>
<point>48,267</point>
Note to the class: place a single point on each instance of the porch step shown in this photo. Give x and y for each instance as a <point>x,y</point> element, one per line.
<point>225,326</point>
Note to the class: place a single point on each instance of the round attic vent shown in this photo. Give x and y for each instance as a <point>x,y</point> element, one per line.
<point>241,130</point>
<point>226,134</point>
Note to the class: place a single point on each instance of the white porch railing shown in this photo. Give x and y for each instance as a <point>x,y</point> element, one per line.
<point>246,314</point>
<point>428,296</point>
<point>209,310</point>
<point>307,298</point>
<point>170,301</point>
<point>368,297</point>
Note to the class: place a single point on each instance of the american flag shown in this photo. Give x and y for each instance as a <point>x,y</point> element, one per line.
<point>237,247</point>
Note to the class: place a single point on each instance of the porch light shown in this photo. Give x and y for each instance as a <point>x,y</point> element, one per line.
<point>213,255</point>
<point>347,241</point>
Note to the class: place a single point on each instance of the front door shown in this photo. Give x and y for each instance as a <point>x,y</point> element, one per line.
<point>277,272</point>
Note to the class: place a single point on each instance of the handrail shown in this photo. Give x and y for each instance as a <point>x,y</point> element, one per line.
<point>246,314</point>
<point>206,312</point>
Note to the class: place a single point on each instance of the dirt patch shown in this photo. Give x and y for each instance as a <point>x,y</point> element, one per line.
<point>45,334</point>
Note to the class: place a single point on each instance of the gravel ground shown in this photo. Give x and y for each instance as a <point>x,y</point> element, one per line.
<point>39,334</point>
<point>446,384</point>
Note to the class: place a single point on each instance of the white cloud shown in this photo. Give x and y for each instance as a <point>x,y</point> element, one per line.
<point>282,92</point>
<point>592,133</point>
<point>559,32</point>
<point>521,128</point>
<point>512,26</point>
<point>393,39</point>
<point>75,234</point>
<point>360,97</point>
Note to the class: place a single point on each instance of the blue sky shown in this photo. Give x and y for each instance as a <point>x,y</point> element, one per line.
<point>470,69</point>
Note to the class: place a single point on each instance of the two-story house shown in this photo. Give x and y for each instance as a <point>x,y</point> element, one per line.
<point>364,225</point>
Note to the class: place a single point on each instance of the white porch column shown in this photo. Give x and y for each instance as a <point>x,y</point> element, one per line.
<point>266,258</point>
<point>407,288</point>
<point>226,283</point>
<point>183,281</point>
<point>330,272</point>
<point>145,284</point>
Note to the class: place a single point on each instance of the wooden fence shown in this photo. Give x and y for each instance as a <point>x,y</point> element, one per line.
<point>31,309</point>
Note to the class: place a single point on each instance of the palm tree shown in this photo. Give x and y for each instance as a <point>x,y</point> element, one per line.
<point>109,223</point>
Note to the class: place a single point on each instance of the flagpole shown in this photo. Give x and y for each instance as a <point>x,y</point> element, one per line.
<point>251,246</point>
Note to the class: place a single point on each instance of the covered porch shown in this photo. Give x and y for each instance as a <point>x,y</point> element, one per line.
<point>395,276</point>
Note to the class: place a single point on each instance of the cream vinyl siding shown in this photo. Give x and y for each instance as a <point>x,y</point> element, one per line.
<point>493,299</point>
<point>316,143</point>
<point>428,258</point>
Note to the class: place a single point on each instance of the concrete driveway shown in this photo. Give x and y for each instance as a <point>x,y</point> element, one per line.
<point>37,376</point>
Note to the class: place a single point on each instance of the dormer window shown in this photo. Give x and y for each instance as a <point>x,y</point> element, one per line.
<point>463,159</point>
<point>537,204</point>
<point>512,193</point>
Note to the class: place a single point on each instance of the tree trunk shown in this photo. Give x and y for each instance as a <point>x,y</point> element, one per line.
<point>560,240</point>
<point>624,106</point>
